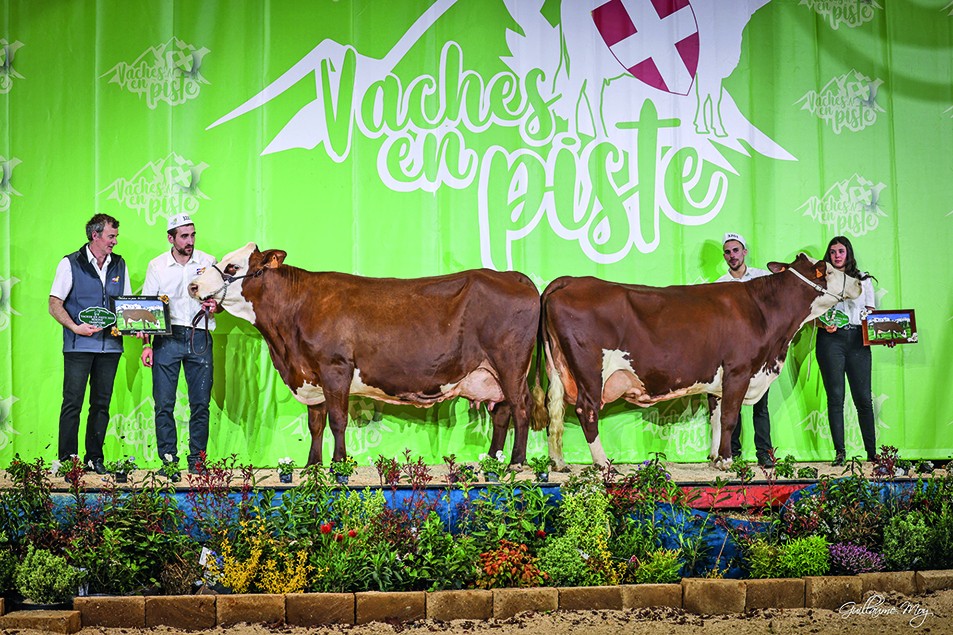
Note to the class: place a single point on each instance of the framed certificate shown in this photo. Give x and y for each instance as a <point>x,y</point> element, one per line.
<point>895,325</point>
<point>146,313</point>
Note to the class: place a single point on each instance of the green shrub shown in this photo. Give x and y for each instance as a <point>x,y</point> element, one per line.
<point>942,548</point>
<point>566,564</point>
<point>907,540</point>
<point>45,578</point>
<point>804,556</point>
<point>761,558</point>
<point>663,566</point>
<point>8,569</point>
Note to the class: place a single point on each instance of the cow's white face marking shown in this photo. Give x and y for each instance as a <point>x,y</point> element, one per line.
<point>210,283</point>
<point>837,282</point>
<point>310,394</point>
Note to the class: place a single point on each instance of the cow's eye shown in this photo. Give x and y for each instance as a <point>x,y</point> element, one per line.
<point>231,269</point>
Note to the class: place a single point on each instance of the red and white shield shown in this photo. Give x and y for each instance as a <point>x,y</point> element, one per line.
<point>654,40</point>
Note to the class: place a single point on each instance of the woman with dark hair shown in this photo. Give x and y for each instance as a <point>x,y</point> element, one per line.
<point>841,350</point>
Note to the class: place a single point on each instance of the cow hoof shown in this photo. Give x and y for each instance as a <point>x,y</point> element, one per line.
<point>721,463</point>
<point>560,467</point>
<point>515,467</point>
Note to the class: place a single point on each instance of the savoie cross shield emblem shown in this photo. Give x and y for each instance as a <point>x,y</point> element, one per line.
<point>656,41</point>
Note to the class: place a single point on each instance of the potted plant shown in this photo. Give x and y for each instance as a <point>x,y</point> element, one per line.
<point>285,469</point>
<point>170,469</point>
<point>120,469</point>
<point>492,466</point>
<point>46,580</point>
<point>540,467</point>
<point>342,470</point>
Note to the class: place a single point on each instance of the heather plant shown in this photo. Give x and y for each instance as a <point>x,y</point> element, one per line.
<point>942,546</point>
<point>907,541</point>
<point>804,557</point>
<point>850,559</point>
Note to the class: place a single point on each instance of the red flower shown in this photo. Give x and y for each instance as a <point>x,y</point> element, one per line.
<point>540,533</point>
<point>352,533</point>
<point>326,528</point>
<point>338,537</point>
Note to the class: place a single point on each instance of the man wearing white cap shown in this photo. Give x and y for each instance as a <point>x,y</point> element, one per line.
<point>170,274</point>
<point>735,249</point>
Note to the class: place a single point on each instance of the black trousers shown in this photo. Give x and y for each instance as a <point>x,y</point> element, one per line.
<point>762,431</point>
<point>843,353</point>
<point>98,370</point>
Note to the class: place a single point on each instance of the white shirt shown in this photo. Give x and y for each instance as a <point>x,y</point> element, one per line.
<point>165,276</point>
<point>750,274</point>
<point>856,308</point>
<point>63,278</point>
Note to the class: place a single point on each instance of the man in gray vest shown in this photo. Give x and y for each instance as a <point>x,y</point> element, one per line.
<point>735,249</point>
<point>88,277</point>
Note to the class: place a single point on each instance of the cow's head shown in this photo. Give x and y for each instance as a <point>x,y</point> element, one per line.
<point>830,284</point>
<point>227,281</point>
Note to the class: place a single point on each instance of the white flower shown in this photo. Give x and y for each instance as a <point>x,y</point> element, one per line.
<point>55,467</point>
<point>484,456</point>
<point>499,455</point>
<point>285,461</point>
<point>167,457</point>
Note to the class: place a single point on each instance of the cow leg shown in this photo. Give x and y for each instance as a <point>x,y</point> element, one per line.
<point>336,390</point>
<point>501,423</point>
<point>500,416</point>
<point>714,419</point>
<point>731,397</point>
<point>317,418</point>
<point>588,414</point>
<point>556,406</point>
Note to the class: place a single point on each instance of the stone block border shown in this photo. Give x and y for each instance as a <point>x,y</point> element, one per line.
<point>694,595</point>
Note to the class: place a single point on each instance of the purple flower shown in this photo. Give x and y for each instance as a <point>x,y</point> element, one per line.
<point>853,559</point>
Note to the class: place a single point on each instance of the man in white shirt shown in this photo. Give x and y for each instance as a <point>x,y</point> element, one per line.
<point>89,277</point>
<point>735,250</point>
<point>188,347</point>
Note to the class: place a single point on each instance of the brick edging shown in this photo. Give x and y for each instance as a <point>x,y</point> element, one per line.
<point>694,595</point>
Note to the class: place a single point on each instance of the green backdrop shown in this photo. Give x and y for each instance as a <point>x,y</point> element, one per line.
<point>410,138</point>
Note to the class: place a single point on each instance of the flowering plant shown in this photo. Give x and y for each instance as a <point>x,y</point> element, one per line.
<point>285,466</point>
<point>492,464</point>
<point>125,465</point>
<point>851,559</point>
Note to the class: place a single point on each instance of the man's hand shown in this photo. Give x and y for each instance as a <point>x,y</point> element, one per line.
<point>86,329</point>
<point>830,328</point>
<point>211,305</point>
<point>146,357</point>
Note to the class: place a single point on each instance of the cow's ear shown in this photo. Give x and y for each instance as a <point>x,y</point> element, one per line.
<point>273,258</point>
<point>777,267</point>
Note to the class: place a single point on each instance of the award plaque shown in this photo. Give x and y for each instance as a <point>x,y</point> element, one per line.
<point>897,326</point>
<point>97,316</point>
<point>142,313</point>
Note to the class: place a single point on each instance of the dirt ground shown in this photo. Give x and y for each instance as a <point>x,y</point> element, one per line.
<point>882,615</point>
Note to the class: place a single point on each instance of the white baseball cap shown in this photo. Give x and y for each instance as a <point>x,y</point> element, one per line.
<point>734,236</point>
<point>178,221</point>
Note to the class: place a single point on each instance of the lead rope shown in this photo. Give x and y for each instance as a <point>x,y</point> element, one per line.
<point>203,313</point>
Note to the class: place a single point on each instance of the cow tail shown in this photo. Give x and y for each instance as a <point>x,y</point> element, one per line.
<point>540,418</point>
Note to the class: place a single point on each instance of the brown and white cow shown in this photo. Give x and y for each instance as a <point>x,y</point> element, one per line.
<point>605,341</point>
<point>402,341</point>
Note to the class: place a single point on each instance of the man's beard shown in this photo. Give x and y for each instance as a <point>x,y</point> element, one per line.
<point>185,251</point>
